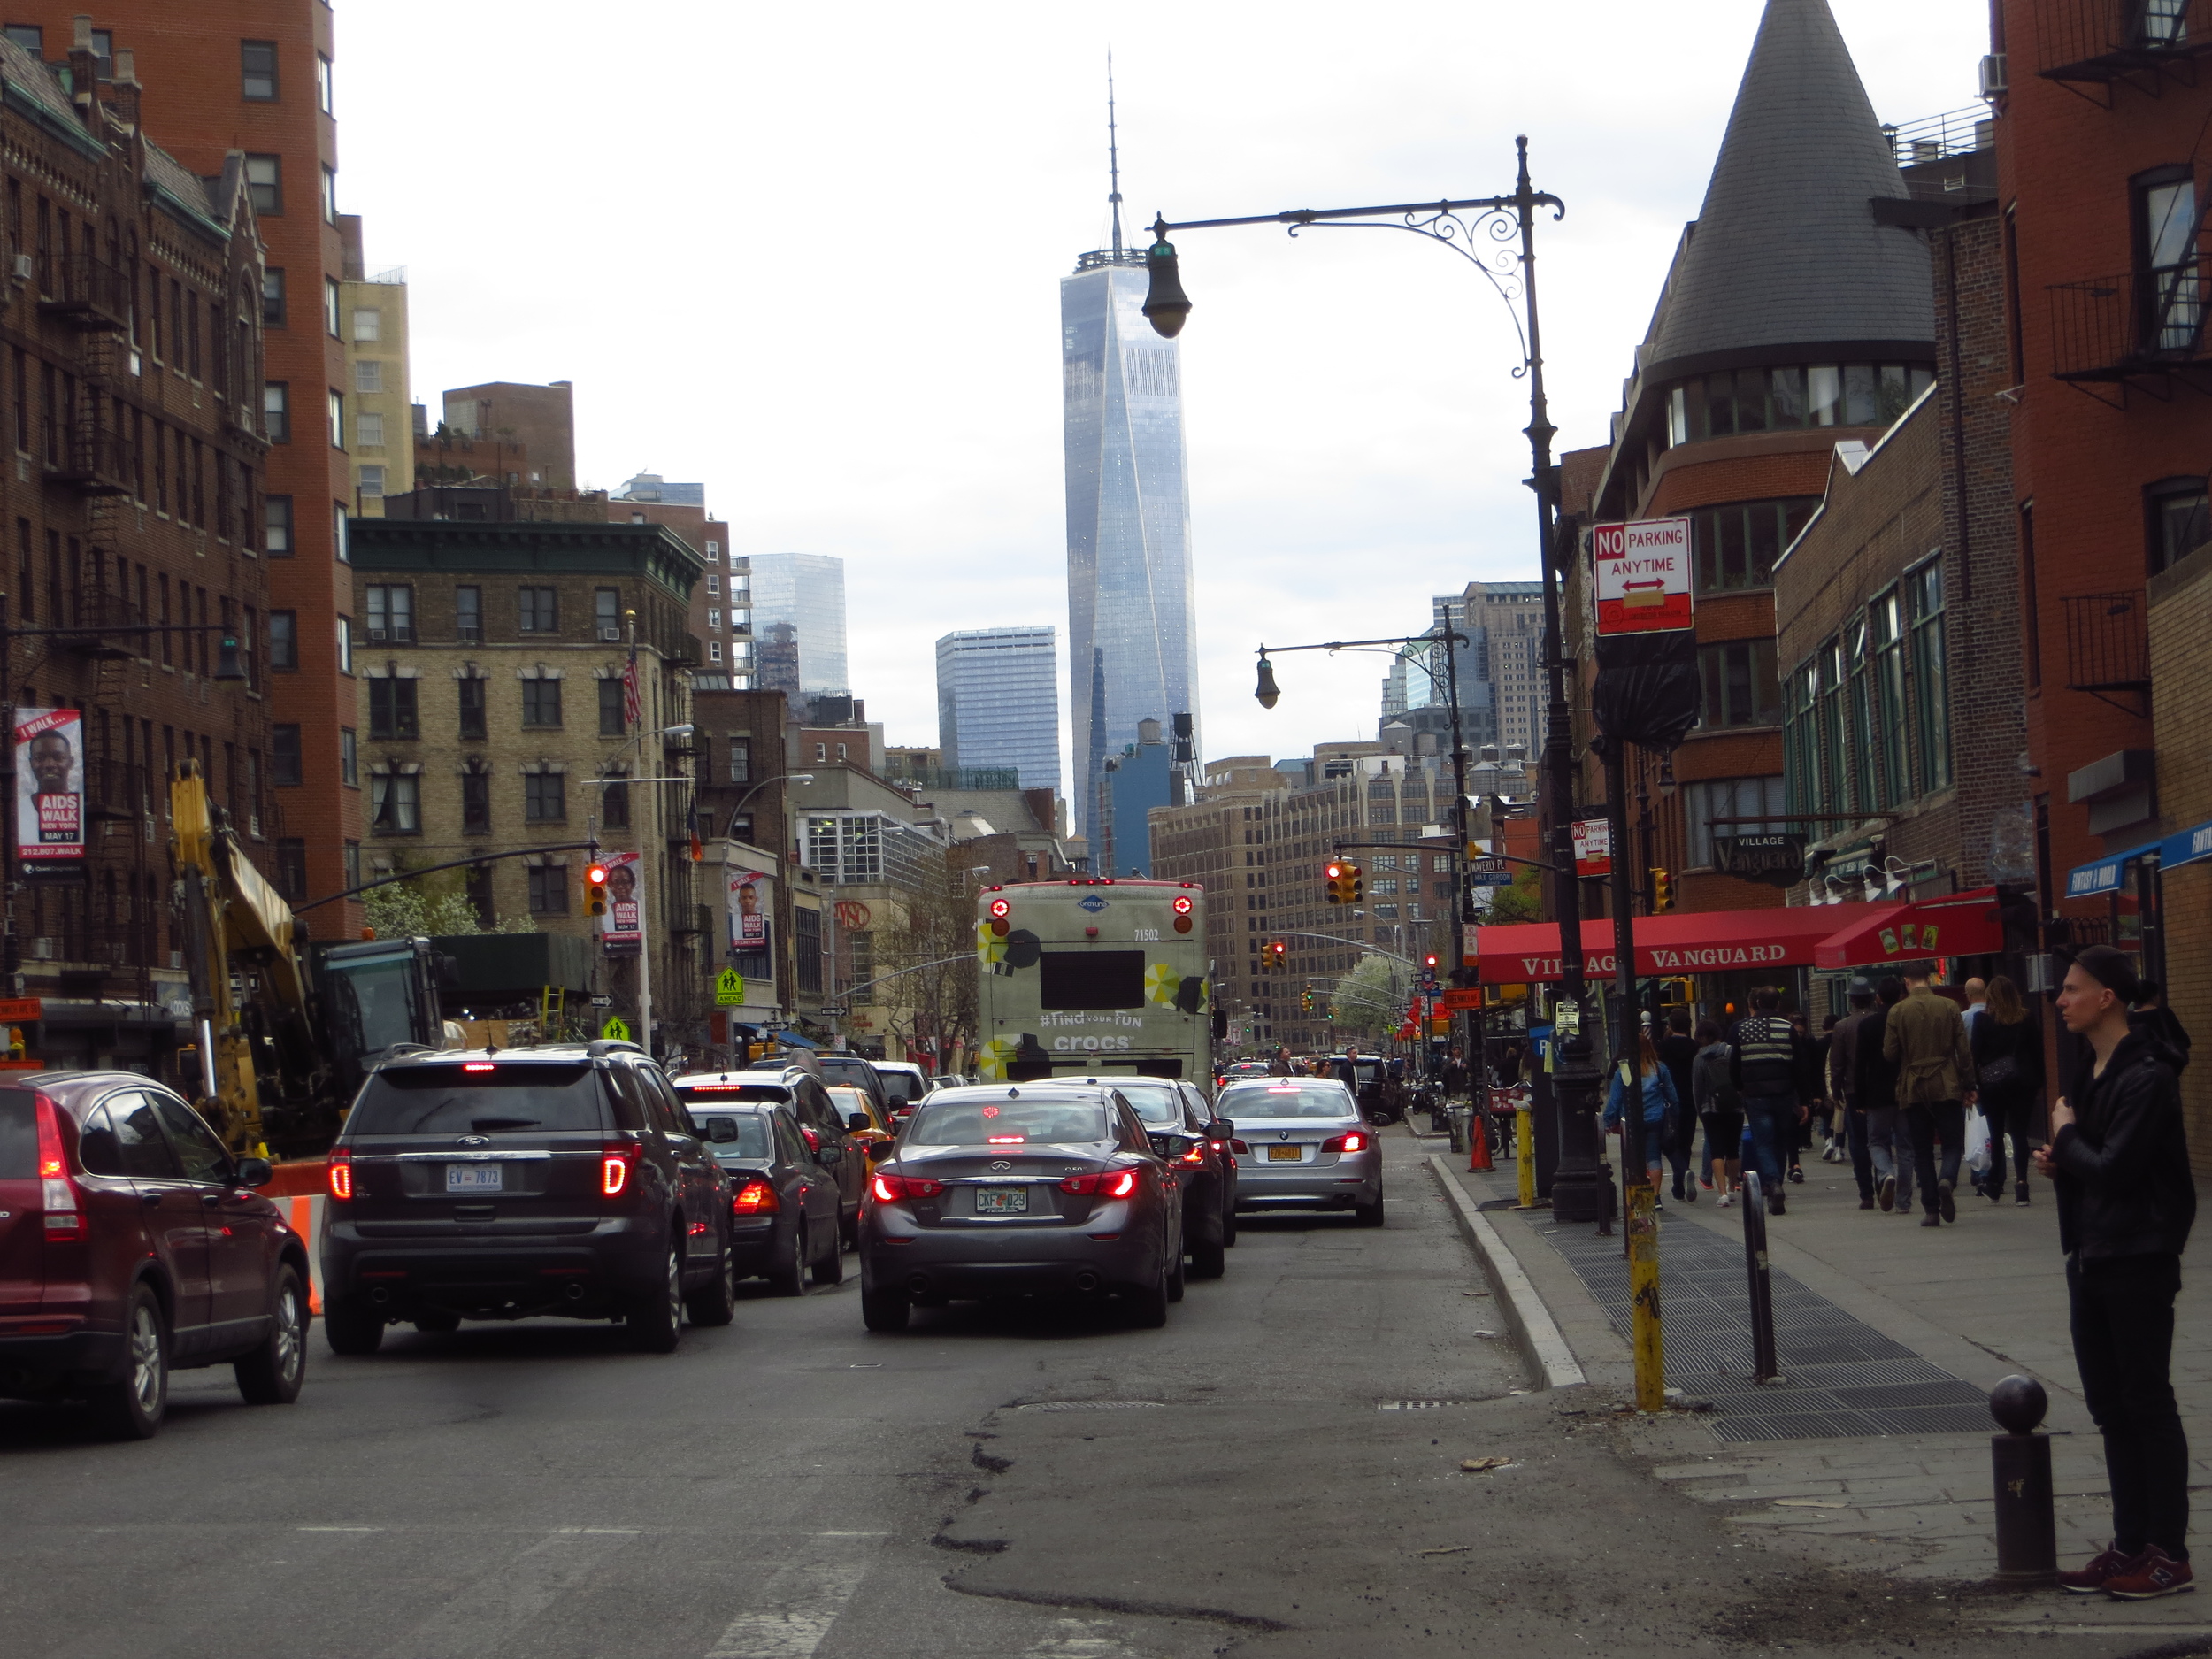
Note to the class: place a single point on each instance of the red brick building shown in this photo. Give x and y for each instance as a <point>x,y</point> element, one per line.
<point>255,77</point>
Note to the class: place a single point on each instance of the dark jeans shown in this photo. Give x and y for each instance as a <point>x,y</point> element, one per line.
<point>2016,1114</point>
<point>1861,1154</point>
<point>1772,1119</point>
<point>2123,1343</point>
<point>1944,1121</point>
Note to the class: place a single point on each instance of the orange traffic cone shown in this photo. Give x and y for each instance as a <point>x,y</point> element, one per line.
<point>1479,1142</point>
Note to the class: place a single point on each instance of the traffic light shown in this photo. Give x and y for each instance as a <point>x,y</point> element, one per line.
<point>1428,965</point>
<point>596,890</point>
<point>1333,874</point>
<point>1661,891</point>
<point>1277,956</point>
<point>1305,999</point>
<point>1345,885</point>
<point>1356,883</point>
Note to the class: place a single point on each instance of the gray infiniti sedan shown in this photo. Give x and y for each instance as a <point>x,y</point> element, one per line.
<point>1302,1144</point>
<point>1018,1190</point>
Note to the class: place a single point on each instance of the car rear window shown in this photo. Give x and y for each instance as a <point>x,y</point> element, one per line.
<point>752,1143</point>
<point>18,1135</point>
<point>1007,1123</point>
<point>901,1087</point>
<point>479,1097</point>
<point>700,1097</point>
<point>1158,1107</point>
<point>1285,1100</point>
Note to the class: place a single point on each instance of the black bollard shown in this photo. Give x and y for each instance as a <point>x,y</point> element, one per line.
<point>2020,1460</point>
<point>1765,1367</point>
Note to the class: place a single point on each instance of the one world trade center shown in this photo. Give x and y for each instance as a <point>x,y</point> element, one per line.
<point>1132,652</point>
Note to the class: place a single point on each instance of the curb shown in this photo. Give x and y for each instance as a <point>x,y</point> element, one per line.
<point>1541,1345</point>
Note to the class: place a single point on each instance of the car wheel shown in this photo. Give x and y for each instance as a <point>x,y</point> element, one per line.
<point>885,1311</point>
<point>848,1231</point>
<point>787,1277</point>
<point>715,1301</point>
<point>350,1329</point>
<point>436,1321</point>
<point>1175,1280</point>
<point>1229,1225</point>
<point>1208,1261</point>
<point>656,1319</point>
<point>830,1269</point>
<point>1369,1215</point>
<point>1146,1304</point>
<point>131,1410</point>
<point>273,1373</point>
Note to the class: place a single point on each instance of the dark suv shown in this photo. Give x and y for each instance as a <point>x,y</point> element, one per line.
<point>508,1185</point>
<point>131,1245</point>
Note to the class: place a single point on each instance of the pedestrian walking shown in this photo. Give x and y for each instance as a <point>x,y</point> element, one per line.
<point>1888,1136</point>
<point>1977,1004</point>
<point>1720,1106</point>
<point>1677,1052</point>
<point>1925,1039</point>
<point>2126,1199</point>
<point>1454,1077</point>
<point>1812,1092</point>
<point>1655,1083</point>
<point>2153,1019</point>
<point>1843,1053</point>
<point>1827,1114</point>
<point>2008,1046</point>
<point>1764,1065</point>
<point>1279,1063</point>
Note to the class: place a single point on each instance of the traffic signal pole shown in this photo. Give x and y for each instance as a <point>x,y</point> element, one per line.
<point>1639,1190</point>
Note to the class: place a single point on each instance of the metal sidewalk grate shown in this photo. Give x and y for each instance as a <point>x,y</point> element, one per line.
<point>1842,1379</point>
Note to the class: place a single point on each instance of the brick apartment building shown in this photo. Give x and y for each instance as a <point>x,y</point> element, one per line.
<point>722,604</point>
<point>130,300</point>
<point>540,418</point>
<point>256,77</point>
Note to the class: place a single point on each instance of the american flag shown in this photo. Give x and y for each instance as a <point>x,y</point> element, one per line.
<point>631,710</point>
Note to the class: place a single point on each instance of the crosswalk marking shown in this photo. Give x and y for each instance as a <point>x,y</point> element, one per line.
<point>488,1612</point>
<point>794,1613</point>
<point>1070,1639</point>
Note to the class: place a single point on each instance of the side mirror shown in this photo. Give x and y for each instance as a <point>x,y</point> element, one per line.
<point>880,1149</point>
<point>722,1129</point>
<point>829,1158</point>
<point>255,1172</point>
<point>857,1123</point>
<point>1224,1127</point>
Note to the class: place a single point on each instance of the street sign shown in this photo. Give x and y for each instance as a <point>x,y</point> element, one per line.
<point>834,1011</point>
<point>729,989</point>
<point>1594,847</point>
<point>601,1000</point>
<point>1643,576</point>
<point>1489,873</point>
<point>615,1030</point>
<point>1461,998</point>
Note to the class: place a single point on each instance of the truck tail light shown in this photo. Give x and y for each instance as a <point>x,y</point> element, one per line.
<point>57,1193</point>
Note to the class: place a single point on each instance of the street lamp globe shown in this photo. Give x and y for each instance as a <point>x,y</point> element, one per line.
<point>1166,304</point>
<point>1267,691</point>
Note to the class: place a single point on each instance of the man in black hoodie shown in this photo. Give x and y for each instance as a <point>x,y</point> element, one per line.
<point>2125,1202</point>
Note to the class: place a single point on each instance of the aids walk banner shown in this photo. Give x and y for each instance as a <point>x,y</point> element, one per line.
<point>49,784</point>
<point>623,930</point>
<point>748,909</point>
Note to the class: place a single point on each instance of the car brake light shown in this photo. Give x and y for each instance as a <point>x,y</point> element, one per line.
<point>1351,1141</point>
<point>813,1140</point>
<point>1102,1184</point>
<point>1196,1155</point>
<point>755,1198</point>
<point>617,1159</point>
<point>1240,1146</point>
<point>57,1193</point>
<point>340,1173</point>
<point>889,1189</point>
<point>478,1065</point>
<point>1005,1140</point>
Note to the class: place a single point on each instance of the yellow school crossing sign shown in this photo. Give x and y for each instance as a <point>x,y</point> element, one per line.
<point>615,1030</point>
<point>729,989</point>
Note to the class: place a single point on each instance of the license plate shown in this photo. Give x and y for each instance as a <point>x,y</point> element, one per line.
<point>1002,1201</point>
<point>475,1177</point>
<point>1284,1155</point>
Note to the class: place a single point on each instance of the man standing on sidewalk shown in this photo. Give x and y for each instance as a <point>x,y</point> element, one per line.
<point>1764,1065</point>
<point>1925,1039</point>
<point>2125,1202</point>
<point>1843,1055</point>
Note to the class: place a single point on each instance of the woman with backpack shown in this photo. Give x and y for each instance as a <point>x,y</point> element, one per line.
<point>2009,1065</point>
<point>1660,1106</point>
<point>1718,1105</point>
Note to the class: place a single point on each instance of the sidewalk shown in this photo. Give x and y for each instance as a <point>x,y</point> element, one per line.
<point>1873,1452</point>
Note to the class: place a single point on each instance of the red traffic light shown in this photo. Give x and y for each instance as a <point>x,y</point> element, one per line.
<point>1429,961</point>
<point>1333,870</point>
<point>596,875</point>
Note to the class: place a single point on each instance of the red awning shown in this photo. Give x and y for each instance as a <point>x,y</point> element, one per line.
<point>1679,942</point>
<point>1957,925</point>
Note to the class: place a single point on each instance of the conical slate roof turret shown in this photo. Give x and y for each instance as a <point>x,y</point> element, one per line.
<point>1785,250</point>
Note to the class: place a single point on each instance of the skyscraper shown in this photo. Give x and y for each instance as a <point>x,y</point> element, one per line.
<point>806,591</point>
<point>1132,653</point>
<point>997,702</point>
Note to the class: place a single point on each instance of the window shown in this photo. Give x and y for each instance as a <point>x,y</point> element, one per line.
<point>1736,546</point>
<point>714,585</point>
<point>741,760</point>
<point>345,645</point>
<point>544,796</point>
<point>714,554</point>
<point>1731,798</point>
<point>611,723</point>
<point>259,65</point>
<point>368,324</point>
<point>330,306</point>
<point>276,526</point>
<point>349,758</point>
<point>468,613</point>
<point>538,610</point>
<point>276,411</point>
<point>323,99</point>
<point>272,298</point>
<point>2166,259</point>
<point>471,690</point>
<point>395,803</point>
<point>1931,675</point>
<point>392,709</point>
<point>714,651</point>
<point>541,702</point>
<point>392,613</point>
<point>606,613</point>
<point>614,806</point>
<point>330,196</point>
<point>352,853</point>
<point>714,619</point>
<point>284,640</point>
<point>1885,638</point>
<point>368,376</point>
<point>292,868</point>
<point>339,541</point>
<point>372,479</point>
<point>2176,519</point>
<point>1740,685</point>
<point>30,36</point>
<point>284,755</point>
<point>476,799</point>
<point>265,183</point>
<point>368,429</point>
<point>548,890</point>
<point>337,419</point>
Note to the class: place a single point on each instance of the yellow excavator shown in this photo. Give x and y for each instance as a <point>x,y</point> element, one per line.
<point>285,1030</point>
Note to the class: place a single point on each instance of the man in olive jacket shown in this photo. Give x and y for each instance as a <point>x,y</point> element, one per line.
<point>2125,1203</point>
<point>1925,1039</point>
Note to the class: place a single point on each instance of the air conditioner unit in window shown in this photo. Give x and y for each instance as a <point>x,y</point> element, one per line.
<point>1994,81</point>
<point>610,636</point>
<point>42,950</point>
<point>377,636</point>
<point>23,267</point>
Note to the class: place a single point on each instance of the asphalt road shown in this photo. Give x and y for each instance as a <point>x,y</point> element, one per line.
<point>994,1484</point>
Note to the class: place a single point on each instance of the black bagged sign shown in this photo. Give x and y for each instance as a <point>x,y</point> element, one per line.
<point>1647,690</point>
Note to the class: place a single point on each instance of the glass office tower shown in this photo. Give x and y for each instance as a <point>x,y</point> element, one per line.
<point>998,703</point>
<point>806,591</point>
<point>1132,654</point>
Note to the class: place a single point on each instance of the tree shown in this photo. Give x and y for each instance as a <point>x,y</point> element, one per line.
<point>1523,901</point>
<point>1371,997</point>
<point>931,1005</point>
<point>428,908</point>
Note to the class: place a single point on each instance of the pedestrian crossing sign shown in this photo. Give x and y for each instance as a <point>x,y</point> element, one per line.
<point>615,1030</point>
<point>729,989</point>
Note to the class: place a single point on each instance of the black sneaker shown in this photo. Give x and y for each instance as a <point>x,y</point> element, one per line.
<point>2020,1194</point>
<point>1946,1203</point>
<point>1776,1206</point>
<point>1797,1175</point>
<point>1888,1192</point>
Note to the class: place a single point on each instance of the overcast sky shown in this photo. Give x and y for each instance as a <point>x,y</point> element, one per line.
<point>810,254</point>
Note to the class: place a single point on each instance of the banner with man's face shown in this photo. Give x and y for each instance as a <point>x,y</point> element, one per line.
<point>749,903</point>
<point>623,924</point>
<point>48,783</point>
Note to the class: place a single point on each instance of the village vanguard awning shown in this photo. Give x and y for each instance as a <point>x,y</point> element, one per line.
<point>1956,925</point>
<point>1679,942</point>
